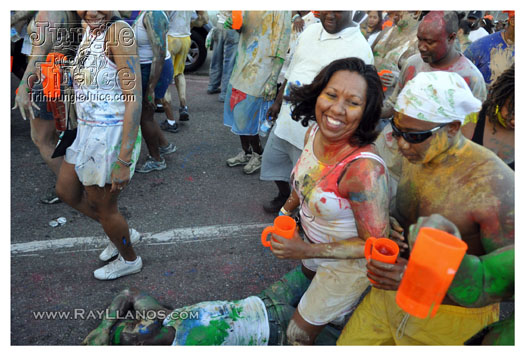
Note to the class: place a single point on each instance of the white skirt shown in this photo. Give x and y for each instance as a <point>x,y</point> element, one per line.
<point>95,151</point>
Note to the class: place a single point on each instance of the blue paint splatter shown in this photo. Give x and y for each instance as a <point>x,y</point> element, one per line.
<point>124,241</point>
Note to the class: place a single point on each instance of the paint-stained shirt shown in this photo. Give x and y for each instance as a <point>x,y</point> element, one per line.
<point>492,55</point>
<point>240,322</point>
<point>264,36</point>
<point>463,66</point>
<point>349,42</point>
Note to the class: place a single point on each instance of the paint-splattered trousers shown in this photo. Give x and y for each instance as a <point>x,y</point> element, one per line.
<point>281,299</point>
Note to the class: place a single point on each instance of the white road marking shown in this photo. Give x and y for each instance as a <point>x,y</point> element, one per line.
<point>188,234</point>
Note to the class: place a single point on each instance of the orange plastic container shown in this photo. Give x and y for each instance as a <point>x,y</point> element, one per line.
<point>52,76</point>
<point>432,265</point>
<point>382,250</point>
<point>282,225</point>
<point>237,20</point>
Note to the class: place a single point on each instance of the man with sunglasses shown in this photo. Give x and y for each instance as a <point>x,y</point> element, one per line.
<point>442,173</point>
<point>436,36</point>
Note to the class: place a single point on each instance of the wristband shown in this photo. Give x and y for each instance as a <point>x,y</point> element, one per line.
<point>124,163</point>
<point>295,16</point>
<point>283,211</point>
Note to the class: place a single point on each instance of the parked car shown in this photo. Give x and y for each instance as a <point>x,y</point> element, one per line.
<point>198,52</point>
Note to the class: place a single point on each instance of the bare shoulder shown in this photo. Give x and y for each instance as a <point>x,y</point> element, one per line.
<point>120,38</point>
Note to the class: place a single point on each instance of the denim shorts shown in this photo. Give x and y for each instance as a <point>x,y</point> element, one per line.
<point>166,76</point>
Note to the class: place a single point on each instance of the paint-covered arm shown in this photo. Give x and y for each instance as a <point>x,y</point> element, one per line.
<point>124,54</point>
<point>280,39</point>
<point>47,24</point>
<point>21,16</point>
<point>484,280</point>
<point>365,183</point>
<point>156,25</point>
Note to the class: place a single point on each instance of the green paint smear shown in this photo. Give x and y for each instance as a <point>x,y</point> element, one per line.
<point>118,331</point>
<point>235,313</point>
<point>213,334</point>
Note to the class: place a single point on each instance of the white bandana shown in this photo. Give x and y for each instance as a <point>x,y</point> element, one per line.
<point>439,97</point>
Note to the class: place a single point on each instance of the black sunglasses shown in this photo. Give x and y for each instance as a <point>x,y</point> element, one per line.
<point>414,137</point>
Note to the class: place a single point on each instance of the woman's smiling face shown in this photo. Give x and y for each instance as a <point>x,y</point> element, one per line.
<point>95,19</point>
<point>340,106</point>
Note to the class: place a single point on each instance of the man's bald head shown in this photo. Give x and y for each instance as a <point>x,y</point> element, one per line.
<point>436,35</point>
<point>446,19</point>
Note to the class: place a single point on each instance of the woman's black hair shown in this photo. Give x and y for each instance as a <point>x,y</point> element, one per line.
<point>501,90</point>
<point>304,98</point>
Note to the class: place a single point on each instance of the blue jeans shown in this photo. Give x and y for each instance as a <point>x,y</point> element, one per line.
<point>221,66</point>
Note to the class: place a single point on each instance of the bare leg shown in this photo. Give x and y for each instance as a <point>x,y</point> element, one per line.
<point>151,132</point>
<point>180,83</point>
<point>97,203</point>
<point>166,104</point>
<point>45,138</point>
<point>300,332</point>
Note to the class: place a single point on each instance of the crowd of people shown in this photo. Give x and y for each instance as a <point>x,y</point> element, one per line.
<point>400,120</point>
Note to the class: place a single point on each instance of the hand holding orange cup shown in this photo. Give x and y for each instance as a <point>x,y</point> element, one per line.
<point>283,226</point>
<point>432,265</point>
<point>382,250</point>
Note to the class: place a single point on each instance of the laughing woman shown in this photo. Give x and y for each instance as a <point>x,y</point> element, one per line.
<point>101,160</point>
<point>341,188</point>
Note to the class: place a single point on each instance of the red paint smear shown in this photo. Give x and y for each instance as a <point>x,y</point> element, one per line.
<point>467,79</point>
<point>411,73</point>
<point>236,97</point>
<point>323,200</point>
<point>190,179</point>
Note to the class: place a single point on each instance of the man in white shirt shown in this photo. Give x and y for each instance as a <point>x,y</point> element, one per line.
<point>318,45</point>
<point>476,32</point>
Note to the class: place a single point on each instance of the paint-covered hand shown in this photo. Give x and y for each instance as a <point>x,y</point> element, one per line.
<point>389,79</point>
<point>228,23</point>
<point>120,176</point>
<point>97,337</point>
<point>290,249</point>
<point>274,110</point>
<point>149,98</point>
<point>24,104</point>
<point>396,234</point>
<point>387,276</point>
<point>435,221</point>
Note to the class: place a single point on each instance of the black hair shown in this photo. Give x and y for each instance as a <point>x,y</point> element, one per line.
<point>303,99</point>
<point>501,90</point>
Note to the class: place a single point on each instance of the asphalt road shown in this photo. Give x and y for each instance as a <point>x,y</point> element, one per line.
<point>200,221</point>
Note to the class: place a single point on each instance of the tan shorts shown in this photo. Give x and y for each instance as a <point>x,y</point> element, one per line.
<point>379,321</point>
<point>179,48</point>
<point>334,291</point>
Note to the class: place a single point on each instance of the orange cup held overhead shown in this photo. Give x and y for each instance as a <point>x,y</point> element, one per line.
<point>382,250</point>
<point>283,226</point>
<point>236,20</point>
<point>432,265</point>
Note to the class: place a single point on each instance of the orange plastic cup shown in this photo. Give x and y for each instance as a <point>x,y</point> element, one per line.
<point>381,73</point>
<point>237,20</point>
<point>282,225</point>
<point>381,249</point>
<point>432,265</point>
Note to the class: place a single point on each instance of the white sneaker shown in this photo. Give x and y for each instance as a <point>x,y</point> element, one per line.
<point>111,250</point>
<point>253,164</point>
<point>241,158</point>
<point>118,268</point>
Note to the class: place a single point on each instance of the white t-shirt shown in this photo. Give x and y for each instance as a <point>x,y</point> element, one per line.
<point>315,49</point>
<point>477,34</point>
<point>180,23</point>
